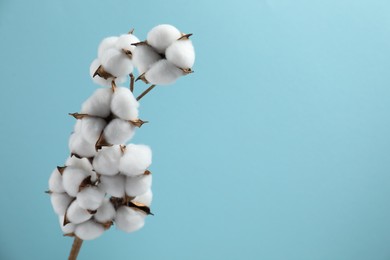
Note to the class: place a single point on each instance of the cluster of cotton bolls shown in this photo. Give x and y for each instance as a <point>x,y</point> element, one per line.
<point>106,181</point>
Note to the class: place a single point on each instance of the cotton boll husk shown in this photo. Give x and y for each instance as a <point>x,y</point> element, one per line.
<point>129,220</point>
<point>125,42</point>
<point>98,104</point>
<point>138,185</point>
<point>181,53</point>
<point>107,159</point>
<point>55,182</point>
<point>77,214</point>
<point>68,228</point>
<point>89,230</point>
<point>78,145</point>
<point>136,160</point>
<point>163,72</point>
<point>106,212</point>
<point>161,36</point>
<point>60,202</point>
<point>145,198</point>
<point>91,128</point>
<point>90,197</point>
<point>118,131</point>
<point>106,43</point>
<point>72,178</point>
<point>114,185</point>
<point>144,57</point>
<point>99,80</point>
<point>124,105</point>
<point>82,163</point>
<point>116,62</point>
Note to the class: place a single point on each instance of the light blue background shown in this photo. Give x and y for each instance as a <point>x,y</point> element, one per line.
<point>277,147</point>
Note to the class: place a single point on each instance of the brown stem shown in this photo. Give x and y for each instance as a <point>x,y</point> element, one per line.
<point>77,243</point>
<point>145,92</point>
<point>131,82</point>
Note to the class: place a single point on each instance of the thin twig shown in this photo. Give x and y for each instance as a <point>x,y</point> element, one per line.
<point>131,82</point>
<point>77,243</point>
<point>145,92</point>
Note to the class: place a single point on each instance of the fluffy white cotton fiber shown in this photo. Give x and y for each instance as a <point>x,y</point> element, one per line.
<point>72,178</point>
<point>124,105</point>
<point>125,42</point>
<point>161,36</point>
<point>89,230</point>
<point>145,198</point>
<point>90,197</point>
<point>116,62</point>
<point>98,104</point>
<point>118,131</point>
<point>107,159</point>
<point>114,185</point>
<point>136,159</point>
<point>106,212</point>
<point>105,44</point>
<point>82,163</point>
<point>78,145</point>
<point>55,182</point>
<point>144,57</point>
<point>60,202</point>
<point>91,128</point>
<point>68,228</point>
<point>77,214</point>
<point>129,220</point>
<point>163,72</point>
<point>181,53</point>
<point>99,80</point>
<point>138,185</point>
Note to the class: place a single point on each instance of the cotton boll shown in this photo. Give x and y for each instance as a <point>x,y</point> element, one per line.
<point>129,220</point>
<point>68,228</point>
<point>145,198</point>
<point>82,163</point>
<point>181,53</point>
<point>60,202</point>
<point>138,185</point>
<point>99,80</point>
<point>144,57</point>
<point>78,145</point>
<point>91,128</point>
<point>107,159</point>
<point>124,105</point>
<point>136,160</point>
<point>114,185</point>
<point>106,212</point>
<point>116,63</point>
<point>163,72</point>
<point>89,230</point>
<point>55,182</point>
<point>125,42</point>
<point>77,127</point>
<point>161,36</point>
<point>105,44</point>
<point>77,214</point>
<point>90,198</point>
<point>118,131</point>
<point>98,104</point>
<point>72,178</point>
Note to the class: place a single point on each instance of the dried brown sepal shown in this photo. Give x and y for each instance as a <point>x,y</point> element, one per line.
<point>128,53</point>
<point>187,71</point>
<point>147,172</point>
<point>131,31</point>
<point>61,169</point>
<point>101,72</point>
<point>48,192</point>
<point>107,224</point>
<point>138,122</point>
<point>185,36</point>
<point>78,116</point>
<point>113,85</point>
<point>66,220</point>
<point>142,77</point>
<point>140,43</point>
<point>91,211</point>
<point>140,206</point>
<point>70,235</point>
<point>85,183</point>
<point>101,142</point>
<point>123,148</point>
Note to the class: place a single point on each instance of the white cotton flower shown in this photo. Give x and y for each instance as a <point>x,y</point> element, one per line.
<point>163,72</point>
<point>106,161</point>
<point>118,131</point>
<point>76,214</point>
<point>124,105</point>
<point>60,202</point>
<point>106,212</point>
<point>72,177</point>
<point>89,230</point>
<point>107,43</point>
<point>91,128</point>
<point>145,198</point>
<point>55,182</point>
<point>82,163</point>
<point>129,220</point>
<point>98,104</point>
<point>136,159</point>
<point>99,80</point>
<point>161,36</point>
<point>116,62</point>
<point>78,145</point>
<point>181,53</point>
<point>90,197</point>
<point>144,57</point>
<point>114,185</point>
<point>138,185</point>
<point>125,42</point>
<point>68,228</point>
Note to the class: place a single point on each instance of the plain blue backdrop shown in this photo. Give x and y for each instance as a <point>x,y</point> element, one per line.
<point>276,148</point>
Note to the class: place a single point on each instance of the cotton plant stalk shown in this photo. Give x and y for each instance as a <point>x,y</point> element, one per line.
<point>106,180</point>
